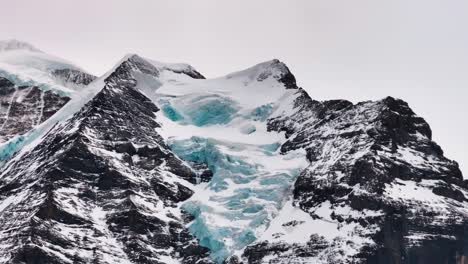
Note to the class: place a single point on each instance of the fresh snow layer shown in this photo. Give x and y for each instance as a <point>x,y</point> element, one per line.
<point>294,226</point>
<point>32,68</point>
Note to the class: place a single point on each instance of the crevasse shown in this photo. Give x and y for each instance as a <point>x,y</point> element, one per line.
<point>9,148</point>
<point>251,179</point>
<point>201,110</point>
<point>249,186</point>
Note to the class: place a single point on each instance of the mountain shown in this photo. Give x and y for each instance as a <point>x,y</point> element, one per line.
<point>154,163</point>
<point>33,86</point>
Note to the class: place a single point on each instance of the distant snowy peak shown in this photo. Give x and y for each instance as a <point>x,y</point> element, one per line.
<point>37,60</point>
<point>153,67</point>
<point>181,68</point>
<point>13,44</point>
<point>25,65</point>
<point>262,71</point>
<point>33,87</point>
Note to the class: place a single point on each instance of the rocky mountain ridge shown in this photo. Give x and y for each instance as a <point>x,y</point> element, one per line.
<point>161,165</point>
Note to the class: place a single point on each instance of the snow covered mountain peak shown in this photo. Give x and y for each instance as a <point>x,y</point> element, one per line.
<point>154,67</point>
<point>34,86</point>
<point>13,44</point>
<point>262,71</point>
<point>153,163</point>
<point>26,65</point>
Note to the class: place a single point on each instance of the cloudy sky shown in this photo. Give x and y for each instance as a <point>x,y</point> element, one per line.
<point>416,50</point>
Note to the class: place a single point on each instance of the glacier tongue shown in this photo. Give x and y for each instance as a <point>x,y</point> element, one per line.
<point>221,123</point>
<point>249,186</point>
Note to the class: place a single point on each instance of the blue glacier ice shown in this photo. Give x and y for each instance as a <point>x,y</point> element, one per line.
<point>202,150</point>
<point>202,109</point>
<point>243,195</point>
<point>9,148</point>
<point>171,113</point>
<point>251,179</point>
<point>21,82</point>
<point>262,112</point>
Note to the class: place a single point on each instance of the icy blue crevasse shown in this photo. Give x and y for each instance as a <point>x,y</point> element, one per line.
<point>202,110</point>
<point>248,193</point>
<point>9,148</point>
<point>14,145</point>
<point>202,150</point>
<point>214,237</point>
<point>200,229</point>
<point>172,113</point>
<point>261,113</point>
<point>213,111</point>
<point>20,82</point>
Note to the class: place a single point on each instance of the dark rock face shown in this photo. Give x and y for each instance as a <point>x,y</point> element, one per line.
<point>72,76</point>
<point>102,187</point>
<point>189,72</point>
<point>373,167</point>
<point>286,78</point>
<point>22,108</point>
<point>6,87</point>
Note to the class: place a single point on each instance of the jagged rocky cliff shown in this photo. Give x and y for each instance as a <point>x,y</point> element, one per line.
<point>23,107</point>
<point>157,164</point>
<point>378,189</point>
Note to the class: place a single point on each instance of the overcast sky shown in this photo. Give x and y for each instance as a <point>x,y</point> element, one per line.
<point>416,50</point>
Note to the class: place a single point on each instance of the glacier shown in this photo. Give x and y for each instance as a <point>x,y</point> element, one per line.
<point>202,109</point>
<point>212,122</point>
<point>245,193</point>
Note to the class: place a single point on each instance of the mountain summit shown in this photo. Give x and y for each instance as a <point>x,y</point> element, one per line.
<point>153,163</point>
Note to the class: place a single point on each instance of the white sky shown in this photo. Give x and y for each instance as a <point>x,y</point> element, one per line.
<point>416,50</point>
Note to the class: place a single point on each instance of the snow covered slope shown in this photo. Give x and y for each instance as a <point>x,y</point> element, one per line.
<point>33,86</point>
<point>153,163</point>
<point>25,65</point>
